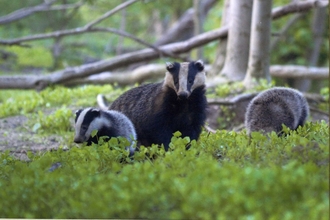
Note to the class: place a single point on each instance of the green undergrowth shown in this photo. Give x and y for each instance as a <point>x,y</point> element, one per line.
<point>57,122</point>
<point>15,102</point>
<point>224,175</point>
<point>234,88</point>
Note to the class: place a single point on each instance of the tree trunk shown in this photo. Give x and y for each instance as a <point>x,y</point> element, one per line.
<point>258,67</point>
<point>56,52</point>
<point>77,72</point>
<point>238,40</point>
<point>198,26</point>
<point>157,25</point>
<point>221,50</point>
<point>156,72</point>
<point>285,29</point>
<point>318,27</point>
<point>183,28</point>
<point>119,48</point>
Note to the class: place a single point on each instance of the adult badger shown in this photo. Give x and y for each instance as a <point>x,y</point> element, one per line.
<point>271,108</point>
<point>158,110</point>
<point>108,123</point>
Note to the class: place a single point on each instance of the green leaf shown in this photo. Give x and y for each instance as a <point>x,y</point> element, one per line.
<point>36,127</point>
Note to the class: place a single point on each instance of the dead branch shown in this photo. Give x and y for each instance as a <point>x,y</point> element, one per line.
<point>109,13</point>
<point>127,35</point>
<point>157,71</point>
<point>276,13</point>
<point>79,30</point>
<point>319,111</point>
<point>295,71</point>
<point>115,62</point>
<point>285,29</point>
<point>312,99</point>
<point>88,28</point>
<point>20,82</point>
<point>72,73</point>
<point>315,98</point>
<point>298,6</point>
<point>232,100</point>
<point>183,28</point>
<point>46,6</point>
<point>138,75</point>
<point>143,73</point>
<point>24,12</point>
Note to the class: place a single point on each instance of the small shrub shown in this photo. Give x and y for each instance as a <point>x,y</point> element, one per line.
<point>325,105</point>
<point>223,175</point>
<point>266,177</point>
<point>54,123</point>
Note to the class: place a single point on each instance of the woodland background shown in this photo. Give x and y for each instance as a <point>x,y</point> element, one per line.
<point>69,40</point>
<point>57,55</point>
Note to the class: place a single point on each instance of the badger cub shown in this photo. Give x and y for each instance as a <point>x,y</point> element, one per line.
<point>271,108</point>
<point>158,110</point>
<point>107,123</point>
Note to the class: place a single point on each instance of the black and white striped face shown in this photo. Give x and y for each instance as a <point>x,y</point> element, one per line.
<point>183,78</point>
<point>86,121</point>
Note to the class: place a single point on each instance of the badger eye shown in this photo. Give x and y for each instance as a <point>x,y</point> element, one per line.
<point>84,128</point>
<point>190,81</point>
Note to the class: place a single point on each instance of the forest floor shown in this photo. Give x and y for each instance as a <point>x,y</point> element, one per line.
<point>17,135</point>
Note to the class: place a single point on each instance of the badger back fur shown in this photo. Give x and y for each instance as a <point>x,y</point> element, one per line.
<point>107,123</point>
<point>177,104</point>
<point>271,108</point>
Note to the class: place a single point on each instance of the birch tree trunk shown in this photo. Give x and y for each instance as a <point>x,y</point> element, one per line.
<point>259,54</point>
<point>198,25</point>
<point>221,49</point>
<point>283,32</point>
<point>119,48</point>
<point>183,28</point>
<point>318,27</point>
<point>238,39</point>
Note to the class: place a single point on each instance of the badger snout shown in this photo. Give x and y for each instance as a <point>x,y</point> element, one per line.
<point>78,140</point>
<point>183,95</point>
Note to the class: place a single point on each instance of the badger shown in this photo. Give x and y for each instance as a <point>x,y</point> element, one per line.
<point>271,108</point>
<point>157,110</point>
<point>108,123</point>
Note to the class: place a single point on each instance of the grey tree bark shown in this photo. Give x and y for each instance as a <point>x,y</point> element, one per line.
<point>77,72</point>
<point>198,25</point>
<point>284,30</point>
<point>156,71</point>
<point>183,28</point>
<point>221,50</point>
<point>318,27</point>
<point>238,40</point>
<point>259,54</point>
<point>157,25</point>
<point>119,48</point>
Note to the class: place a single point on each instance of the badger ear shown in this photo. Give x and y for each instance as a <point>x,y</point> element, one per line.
<point>199,65</point>
<point>169,66</point>
<point>78,112</point>
<point>96,112</point>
